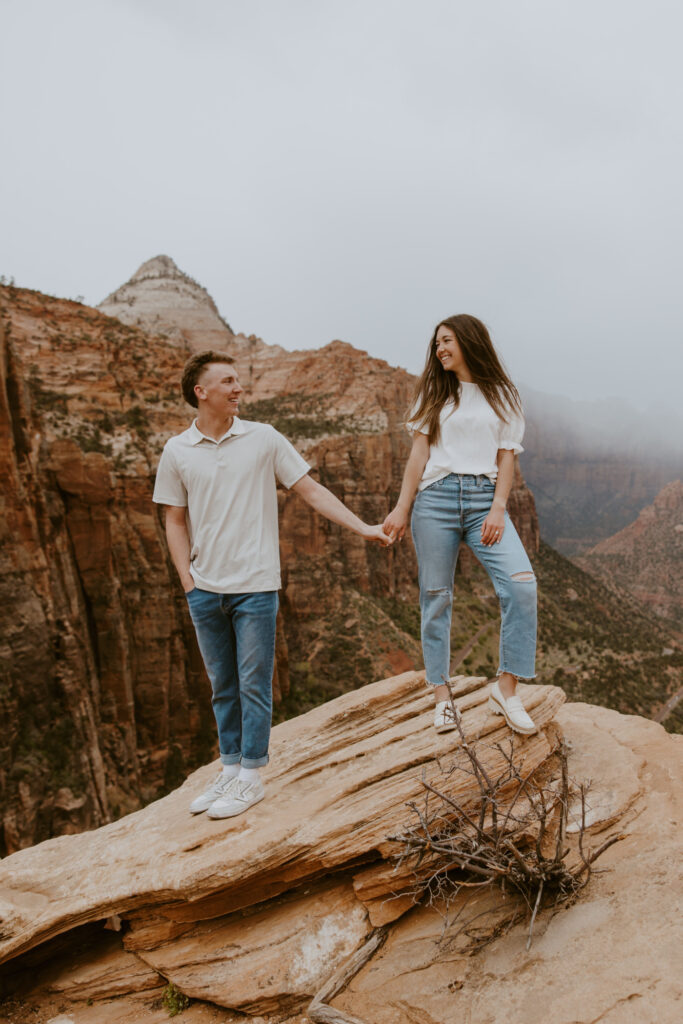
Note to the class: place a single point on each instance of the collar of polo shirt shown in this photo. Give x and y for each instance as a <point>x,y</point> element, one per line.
<point>197,437</point>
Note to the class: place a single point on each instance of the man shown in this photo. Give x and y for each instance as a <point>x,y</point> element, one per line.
<point>218,482</point>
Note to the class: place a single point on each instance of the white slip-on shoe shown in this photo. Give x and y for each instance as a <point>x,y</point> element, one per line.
<point>242,796</point>
<point>512,710</point>
<point>219,787</point>
<point>444,720</point>
<point>496,700</point>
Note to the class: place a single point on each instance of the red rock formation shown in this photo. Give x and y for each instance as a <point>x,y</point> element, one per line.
<point>104,688</point>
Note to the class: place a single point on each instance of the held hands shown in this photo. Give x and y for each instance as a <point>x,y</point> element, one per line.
<point>378,534</point>
<point>395,523</point>
<point>493,527</point>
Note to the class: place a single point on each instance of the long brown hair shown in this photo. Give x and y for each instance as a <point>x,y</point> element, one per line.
<point>437,386</point>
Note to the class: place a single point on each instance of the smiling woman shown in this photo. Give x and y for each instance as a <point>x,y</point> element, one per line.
<point>467,426</point>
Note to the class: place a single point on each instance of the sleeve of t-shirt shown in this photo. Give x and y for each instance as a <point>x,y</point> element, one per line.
<point>289,466</point>
<point>412,426</point>
<point>510,434</point>
<point>169,488</point>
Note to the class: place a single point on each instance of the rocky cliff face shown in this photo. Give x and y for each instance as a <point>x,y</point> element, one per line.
<point>254,917</point>
<point>102,688</point>
<point>646,557</point>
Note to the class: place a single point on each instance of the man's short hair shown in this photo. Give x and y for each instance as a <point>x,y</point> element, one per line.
<point>193,369</point>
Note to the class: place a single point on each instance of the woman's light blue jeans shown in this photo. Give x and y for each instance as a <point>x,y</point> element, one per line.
<point>236,636</point>
<point>444,514</point>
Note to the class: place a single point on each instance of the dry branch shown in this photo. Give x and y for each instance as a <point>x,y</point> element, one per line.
<point>514,836</point>
<point>319,1011</point>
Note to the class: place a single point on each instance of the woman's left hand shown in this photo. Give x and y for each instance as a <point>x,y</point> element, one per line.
<point>493,527</point>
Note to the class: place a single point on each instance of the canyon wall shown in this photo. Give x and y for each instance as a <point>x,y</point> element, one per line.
<point>594,465</point>
<point>646,557</point>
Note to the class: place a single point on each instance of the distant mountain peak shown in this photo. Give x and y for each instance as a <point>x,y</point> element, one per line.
<point>161,297</point>
<point>158,266</point>
<point>161,269</point>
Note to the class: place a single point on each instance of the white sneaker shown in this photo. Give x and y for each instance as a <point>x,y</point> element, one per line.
<point>219,787</point>
<point>240,797</point>
<point>444,720</point>
<point>512,710</point>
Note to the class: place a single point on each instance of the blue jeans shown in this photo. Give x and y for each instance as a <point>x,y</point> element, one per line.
<point>444,514</point>
<point>236,636</point>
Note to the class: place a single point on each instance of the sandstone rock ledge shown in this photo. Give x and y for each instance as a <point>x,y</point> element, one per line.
<point>254,915</point>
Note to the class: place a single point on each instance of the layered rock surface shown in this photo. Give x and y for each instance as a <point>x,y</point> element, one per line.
<point>255,914</point>
<point>611,957</point>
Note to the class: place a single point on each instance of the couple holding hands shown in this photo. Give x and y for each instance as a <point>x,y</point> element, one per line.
<point>217,481</point>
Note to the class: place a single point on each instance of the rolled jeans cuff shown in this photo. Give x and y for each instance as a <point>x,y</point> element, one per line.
<point>254,762</point>
<point>230,758</point>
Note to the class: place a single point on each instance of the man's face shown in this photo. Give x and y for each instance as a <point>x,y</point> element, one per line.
<point>218,389</point>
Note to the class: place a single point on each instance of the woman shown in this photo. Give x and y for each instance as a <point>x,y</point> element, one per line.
<point>467,425</point>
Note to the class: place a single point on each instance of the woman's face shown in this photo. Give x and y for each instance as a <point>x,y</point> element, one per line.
<point>448,351</point>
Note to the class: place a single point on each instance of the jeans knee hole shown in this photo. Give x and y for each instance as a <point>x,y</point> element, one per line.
<point>523,577</point>
<point>438,590</point>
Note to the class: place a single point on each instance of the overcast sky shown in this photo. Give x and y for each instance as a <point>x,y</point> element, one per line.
<point>359,169</point>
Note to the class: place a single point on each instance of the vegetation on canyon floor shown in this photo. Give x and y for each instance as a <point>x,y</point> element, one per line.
<point>301,415</point>
<point>173,1000</point>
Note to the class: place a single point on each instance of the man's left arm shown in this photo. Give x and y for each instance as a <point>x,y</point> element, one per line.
<point>324,502</point>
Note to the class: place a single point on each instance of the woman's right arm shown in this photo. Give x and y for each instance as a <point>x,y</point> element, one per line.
<point>178,540</point>
<point>396,522</point>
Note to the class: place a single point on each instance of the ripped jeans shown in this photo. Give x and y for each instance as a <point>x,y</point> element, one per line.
<point>444,514</point>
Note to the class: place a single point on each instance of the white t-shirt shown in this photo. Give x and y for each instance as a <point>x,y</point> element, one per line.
<point>229,489</point>
<point>471,435</point>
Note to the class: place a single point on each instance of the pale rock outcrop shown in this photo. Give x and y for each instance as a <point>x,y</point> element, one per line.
<point>252,915</point>
<point>159,297</point>
<point>613,957</point>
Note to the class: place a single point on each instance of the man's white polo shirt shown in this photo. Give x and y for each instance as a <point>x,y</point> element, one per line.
<point>228,487</point>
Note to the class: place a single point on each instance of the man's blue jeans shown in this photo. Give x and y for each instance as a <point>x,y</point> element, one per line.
<point>236,636</point>
<point>444,514</point>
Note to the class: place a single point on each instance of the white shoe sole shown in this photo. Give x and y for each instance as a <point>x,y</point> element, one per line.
<point>229,812</point>
<point>199,810</point>
<point>498,709</point>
